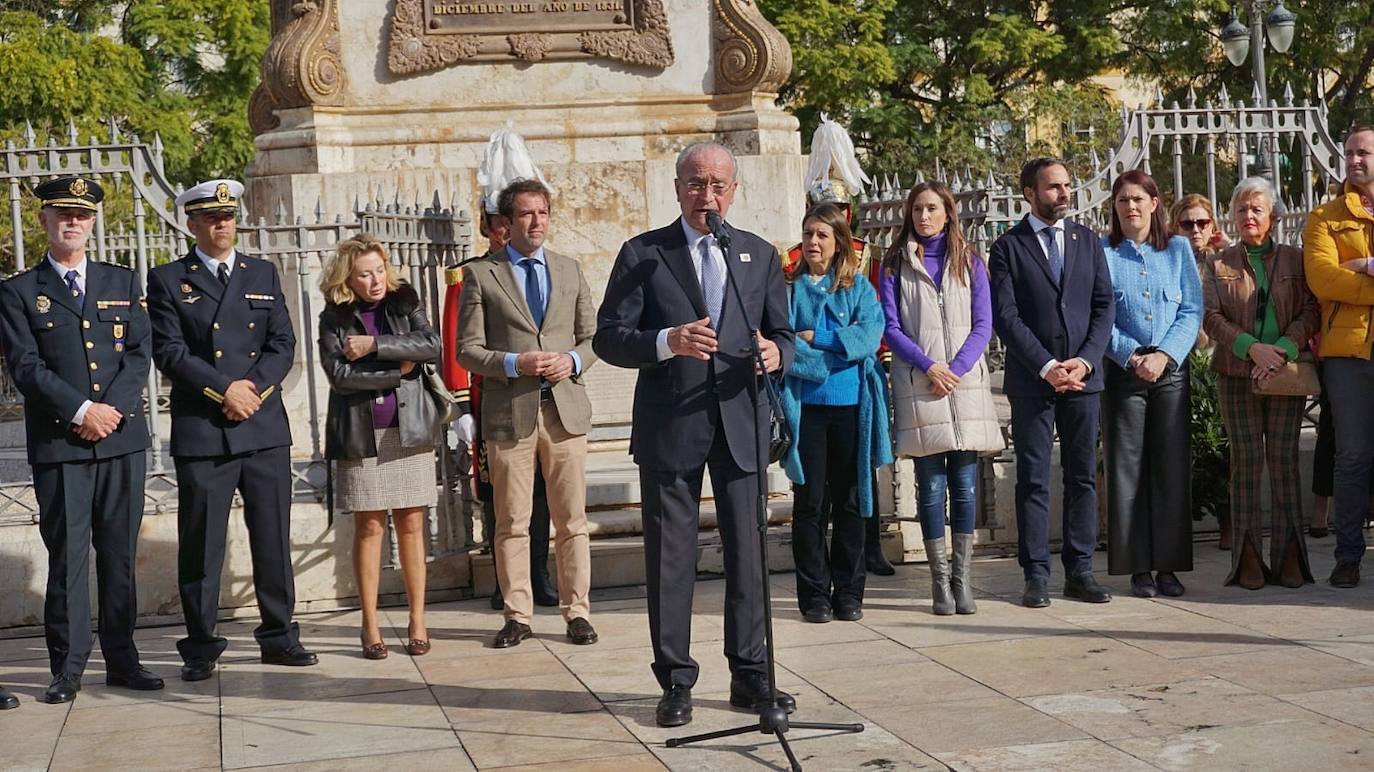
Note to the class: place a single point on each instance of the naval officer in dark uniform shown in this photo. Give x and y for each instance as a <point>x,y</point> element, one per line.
<point>76,342</point>
<point>222,334</point>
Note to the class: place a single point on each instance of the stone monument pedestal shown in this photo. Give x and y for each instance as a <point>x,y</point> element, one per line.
<point>396,102</point>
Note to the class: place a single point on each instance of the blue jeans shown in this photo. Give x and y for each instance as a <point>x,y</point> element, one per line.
<point>955,471</point>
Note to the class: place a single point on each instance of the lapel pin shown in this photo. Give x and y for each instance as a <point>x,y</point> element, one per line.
<point>190,298</point>
<point>744,257</point>
<point>186,288</point>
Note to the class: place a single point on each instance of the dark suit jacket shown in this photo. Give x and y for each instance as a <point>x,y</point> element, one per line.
<point>1039,319</point>
<point>206,336</point>
<point>60,355</point>
<point>654,286</point>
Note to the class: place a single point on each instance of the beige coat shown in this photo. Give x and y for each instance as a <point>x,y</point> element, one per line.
<point>926,424</point>
<point>495,319</point>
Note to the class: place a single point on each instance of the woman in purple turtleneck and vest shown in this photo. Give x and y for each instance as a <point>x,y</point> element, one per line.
<point>938,309</point>
<point>382,425</point>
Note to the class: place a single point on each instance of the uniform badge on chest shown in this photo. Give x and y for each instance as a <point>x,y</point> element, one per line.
<point>42,304</point>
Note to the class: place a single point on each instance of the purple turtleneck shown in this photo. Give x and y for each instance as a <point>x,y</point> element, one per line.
<point>384,414</point>
<point>904,345</point>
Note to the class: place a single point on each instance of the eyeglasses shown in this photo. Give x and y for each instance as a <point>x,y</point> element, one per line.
<point>699,186</point>
<point>1189,225</point>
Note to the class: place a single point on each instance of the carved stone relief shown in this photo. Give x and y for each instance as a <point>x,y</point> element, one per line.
<point>302,65</point>
<point>750,54</point>
<point>419,44</point>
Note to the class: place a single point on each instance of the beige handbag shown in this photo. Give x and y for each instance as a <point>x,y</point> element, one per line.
<point>1294,379</point>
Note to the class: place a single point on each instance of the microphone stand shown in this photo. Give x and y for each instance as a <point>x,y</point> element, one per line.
<point>773,719</point>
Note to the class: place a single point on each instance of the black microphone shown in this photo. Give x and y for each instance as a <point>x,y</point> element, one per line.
<point>719,229</point>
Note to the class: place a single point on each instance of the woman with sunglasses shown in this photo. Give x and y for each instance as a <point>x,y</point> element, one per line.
<point>1260,313</point>
<point>1194,219</point>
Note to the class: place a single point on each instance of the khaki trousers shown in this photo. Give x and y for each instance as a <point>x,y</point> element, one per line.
<point>563,459</point>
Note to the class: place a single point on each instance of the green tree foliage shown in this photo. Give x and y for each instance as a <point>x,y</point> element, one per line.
<point>178,68</point>
<point>181,70</point>
<point>983,84</point>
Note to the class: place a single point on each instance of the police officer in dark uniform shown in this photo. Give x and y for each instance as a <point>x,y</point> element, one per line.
<point>222,334</point>
<point>76,342</point>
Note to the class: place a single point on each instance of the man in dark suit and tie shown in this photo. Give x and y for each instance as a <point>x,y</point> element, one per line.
<point>75,340</point>
<point>222,334</point>
<point>1053,310</point>
<point>670,312</point>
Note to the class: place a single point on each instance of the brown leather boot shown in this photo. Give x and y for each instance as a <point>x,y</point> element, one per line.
<point>1290,572</point>
<point>1250,573</point>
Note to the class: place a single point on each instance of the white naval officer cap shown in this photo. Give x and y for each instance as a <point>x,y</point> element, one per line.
<point>211,196</point>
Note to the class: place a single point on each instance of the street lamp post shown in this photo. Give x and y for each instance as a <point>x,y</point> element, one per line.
<point>1239,41</point>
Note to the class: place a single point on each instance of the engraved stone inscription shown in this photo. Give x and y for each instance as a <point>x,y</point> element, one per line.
<point>503,17</point>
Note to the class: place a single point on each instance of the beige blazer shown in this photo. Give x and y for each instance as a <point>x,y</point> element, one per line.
<point>494,319</point>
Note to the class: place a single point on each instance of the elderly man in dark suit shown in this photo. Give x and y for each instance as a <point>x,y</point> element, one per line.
<point>669,311</point>
<point>75,340</point>
<point>222,335</point>
<point>1053,310</point>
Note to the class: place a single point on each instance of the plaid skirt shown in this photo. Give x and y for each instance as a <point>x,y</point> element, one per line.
<point>397,478</point>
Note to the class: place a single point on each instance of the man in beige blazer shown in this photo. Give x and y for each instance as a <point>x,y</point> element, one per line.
<point>525,325</point>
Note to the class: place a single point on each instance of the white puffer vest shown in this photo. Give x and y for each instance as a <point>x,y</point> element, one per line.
<point>926,424</point>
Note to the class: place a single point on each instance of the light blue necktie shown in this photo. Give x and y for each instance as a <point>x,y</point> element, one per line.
<point>712,283</point>
<point>1052,252</point>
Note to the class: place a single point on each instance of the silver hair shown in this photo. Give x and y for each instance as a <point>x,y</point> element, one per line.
<point>691,150</point>
<point>1254,186</point>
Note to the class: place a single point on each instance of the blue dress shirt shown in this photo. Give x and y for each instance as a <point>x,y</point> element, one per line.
<point>1158,299</point>
<point>520,271</point>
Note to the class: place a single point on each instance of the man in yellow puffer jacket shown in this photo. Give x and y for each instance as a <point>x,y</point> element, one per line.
<point>1338,243</point>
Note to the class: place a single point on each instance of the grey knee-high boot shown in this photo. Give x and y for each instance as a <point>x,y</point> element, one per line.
<point>942,600</point>
<point>959,582</point>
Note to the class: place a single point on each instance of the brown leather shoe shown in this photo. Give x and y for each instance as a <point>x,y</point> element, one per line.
<point>373,650</point>
<point>1345,575</point>
<point>581,632</point>
<point>511,635</point>
<point>1251,573</point>
<point>417,647</point>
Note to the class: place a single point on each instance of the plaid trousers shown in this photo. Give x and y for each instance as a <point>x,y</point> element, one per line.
<point>1263,430</point>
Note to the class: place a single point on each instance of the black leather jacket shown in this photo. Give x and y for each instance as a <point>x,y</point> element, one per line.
<point>353,385</point>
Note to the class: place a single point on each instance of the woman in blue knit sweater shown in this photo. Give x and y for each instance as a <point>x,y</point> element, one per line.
<point>835,399</point>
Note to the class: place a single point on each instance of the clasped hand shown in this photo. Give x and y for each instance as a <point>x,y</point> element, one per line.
<point>1149,367</point>
<point>241,400</point>
<point>943,381</point>
<point>100,421</point>
<point>551,366</point>
<point>1268,359</point>
<point>1067,376</point>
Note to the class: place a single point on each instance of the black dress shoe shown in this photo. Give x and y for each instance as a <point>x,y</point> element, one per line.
<point>581,632</point>
<point>1084,587</point>
<point>674,707</point>
<point>1168,584</point>
<point>849,612</point>
<point>197,670</point>
<point>140,680</point>
<point>7,701</point>
<point>511,635</point>
<point>296,656</point>
<point>1345,575</point>
<point>875,562</point>
<point>1143,585</point>
<point>818,613</point>
<point>62,689</point>
<point>1036,594</point>
<point>750,690</point>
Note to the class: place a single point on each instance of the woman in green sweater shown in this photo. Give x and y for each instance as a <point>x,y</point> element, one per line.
<point>1260,314</point>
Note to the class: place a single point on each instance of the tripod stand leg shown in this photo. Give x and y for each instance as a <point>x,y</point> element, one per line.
<point>696,738</point>
<point>787,748</point>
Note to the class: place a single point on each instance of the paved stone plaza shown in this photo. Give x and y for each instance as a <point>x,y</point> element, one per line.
<point>1220,679</point>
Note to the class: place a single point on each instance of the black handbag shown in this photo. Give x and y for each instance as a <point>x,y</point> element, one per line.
<point>779,433</point>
